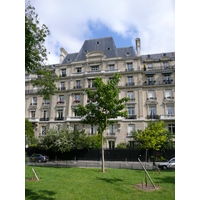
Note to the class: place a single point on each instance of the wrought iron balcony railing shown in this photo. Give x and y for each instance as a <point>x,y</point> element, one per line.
<point>131,117</point>
<point>130,84</point>
<point>59,118</point>
<point>33,104</point>
<point>44,119</point>
<point>61,88</point>
<point>60,102</point>
<point>153,117</point>
<point>77,87</point>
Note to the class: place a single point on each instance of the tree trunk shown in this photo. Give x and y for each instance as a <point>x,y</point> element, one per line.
<point>102,153</point>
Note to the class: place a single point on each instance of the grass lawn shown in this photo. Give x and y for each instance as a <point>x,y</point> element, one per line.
<point>92,184</point>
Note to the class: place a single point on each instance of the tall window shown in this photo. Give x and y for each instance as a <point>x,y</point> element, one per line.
<point>149,66</point>
<point>77,98</point>
<point>166,65</point>
<point>150,80</point>
<point>170,110</point>
<point>32,114</point>
<point>131,127</point>
<point>78,83</point>
<point>167,79</point>
<point>60,113</point>
<point>111,144</point>
<point>111,129</point>
<point>44,114</point>
<point>90,83</point>
<point>131,95</point>
<point>63,72</point>
<point>62,85</point>
<point>131,112</point>
<point>171,128</point>
<point>43,130</point>
<point>130,80</point>
<point>34,101</point>
<point>61,98</point>
<point>111,67</point>
<point>151,94</point>
<point>92,129</point>
<point>152,110</point>
<point>129,66</point>
<point>168,93</point>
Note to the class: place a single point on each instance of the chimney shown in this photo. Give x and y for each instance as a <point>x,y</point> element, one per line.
<point>138,46</point>
<point>63,54</point>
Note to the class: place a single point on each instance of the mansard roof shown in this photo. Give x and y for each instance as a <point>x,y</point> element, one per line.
<point>105,45</point>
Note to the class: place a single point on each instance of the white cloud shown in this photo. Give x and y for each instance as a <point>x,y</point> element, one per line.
<point>151,20</point>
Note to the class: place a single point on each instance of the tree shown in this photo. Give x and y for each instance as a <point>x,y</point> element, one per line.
<point>107,106</point>
<point>29,132</point>
<point>155,136</point>
<point>36,53</point>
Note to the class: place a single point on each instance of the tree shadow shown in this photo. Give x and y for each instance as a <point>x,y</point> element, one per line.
<point>166,179</point>
<point>110,180</point>
<point>42,194</point>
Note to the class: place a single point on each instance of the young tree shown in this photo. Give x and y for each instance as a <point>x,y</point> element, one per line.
<point>29,132</point>
<point>107,106</point>
<point>36,53</point>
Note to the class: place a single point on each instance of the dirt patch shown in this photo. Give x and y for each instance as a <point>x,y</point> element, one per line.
<point>149,187</point>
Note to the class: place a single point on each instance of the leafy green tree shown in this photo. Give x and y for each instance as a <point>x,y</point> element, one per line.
<point>36,53</point>
<point>29,132</point>
<point>122,145</point>
<point>107,106</point>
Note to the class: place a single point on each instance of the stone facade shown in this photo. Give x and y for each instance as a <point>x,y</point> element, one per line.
<point>149,81</point>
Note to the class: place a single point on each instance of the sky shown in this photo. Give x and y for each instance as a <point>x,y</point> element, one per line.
<point>71,22</point>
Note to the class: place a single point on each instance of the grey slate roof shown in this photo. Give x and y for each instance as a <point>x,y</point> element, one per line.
<point>106,45</point>
<point>158,56</point>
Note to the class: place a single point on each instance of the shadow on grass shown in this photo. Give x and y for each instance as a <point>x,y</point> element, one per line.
<point>110,180</point>
<point>166,179</point>
<point>43,194</point>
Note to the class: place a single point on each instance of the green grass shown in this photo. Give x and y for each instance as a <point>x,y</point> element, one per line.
<point>92,184</point>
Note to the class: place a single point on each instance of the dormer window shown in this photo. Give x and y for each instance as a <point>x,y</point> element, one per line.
<point>95,68</point>
<point>111,67</point>
<point>79,70</point>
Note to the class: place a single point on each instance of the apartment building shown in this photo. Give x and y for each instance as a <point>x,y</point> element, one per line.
<point>148,80</point>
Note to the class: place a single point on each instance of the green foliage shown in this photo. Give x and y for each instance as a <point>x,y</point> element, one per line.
<point>64,140</point>
<point>29,132</point>
<point>156,137</point>
<point>107,104</point>
<point>36,53</point>
<point>122,145</point>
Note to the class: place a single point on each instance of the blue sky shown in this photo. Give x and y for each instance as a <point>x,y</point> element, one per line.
<point>73,22</point>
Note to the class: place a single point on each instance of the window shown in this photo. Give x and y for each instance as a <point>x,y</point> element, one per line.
<point>111,129</point>
<point>112,67</point>
<point>95,68</point>
<point>166,65</point>
<point>78,83</point>
<point>77,98</point>
<point>167,79</point>
<point>34,101</point>
<point>35,89</point>
<point>61,98</point>
<point>171,128</point>
<point>92,129</point>
<point>131,127</point>
<point>79,70</point>
<point>170,110</point>
<point>129,66</point>
<point>60,114</point>
<point>62,85</point>
<point>150,80</point>
<point>90,83</point>
<point>44,114</point>
<point>151,94</point>
<point>130,80</point>
<point>131,112</point>
<point>43,130</point>
<point>152,110</point>
<point>111,144</point>
<point>168,93</point>
<point>63,72</point>
<point>46,101</point>
<point>32,114</point>
<point>131,95</point>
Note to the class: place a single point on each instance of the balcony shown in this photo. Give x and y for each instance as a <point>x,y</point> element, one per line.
<point>76,101</point>
<point>61,102</point>
<point>153,117</point>
<point>63,75</point>
<point>130,84</point>
<point>45,103</point>
<point>130,70</point>
<point>149,83</point>
<point>131,117</point>
<point>151,99</point>
<point>59,118</point>
<point>110,135</point>
<point>167,117</point>
<point>167,81</point>
<point>91,86</point>
<point>31,91</point>
<point>44,119</point>
<point>33,104</point>
<point>61,88</point>
<point>77,87</point>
